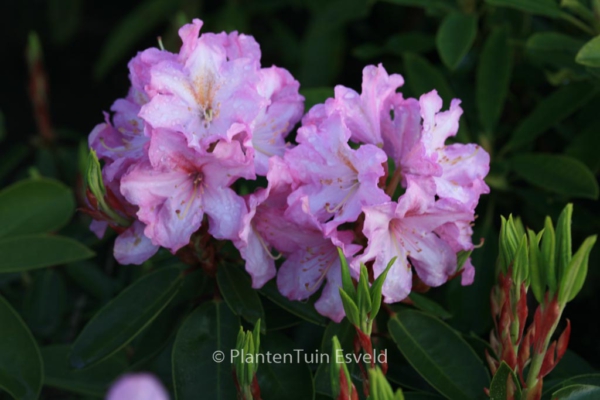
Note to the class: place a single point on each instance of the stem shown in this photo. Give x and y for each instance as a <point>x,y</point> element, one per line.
<point>538,359</point>
<point>391,188</point>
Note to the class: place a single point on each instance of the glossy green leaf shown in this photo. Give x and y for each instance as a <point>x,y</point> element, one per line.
<point>548,252</point>
<point>289,380</point>
<point>550,111</point>
<point>556,173</point>
<point>585,379</point>
<point>135,26</point>
<point>35,206</point>
<point>23,253</point>
<point>498,387</point>
<point>303,309</point>
<point>424,303</point>
<point>210,328</point>
<point>584,147</point>
<point>577,392</point>
<point>574,276</point>
<point>345,333</point>
<point>439,354</point>
<point>589,54</point>
<point>423,77</point>
<point>121,320</point>
<point>236,287</point>
<point>21,366</point>
<point>564,248</point>
<point>93,381</point>
<point>455,37</point>
<point>536,276</point>
<point>553,48</point>
<point>548,8</point>
<point>44,304</point>
<point>493,78</point>
<point>350,308</point>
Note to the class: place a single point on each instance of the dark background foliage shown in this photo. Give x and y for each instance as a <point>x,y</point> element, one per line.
<point>548,106</point>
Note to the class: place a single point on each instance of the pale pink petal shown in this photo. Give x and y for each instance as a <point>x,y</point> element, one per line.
<point>138,386</point>
<point>133,247</point>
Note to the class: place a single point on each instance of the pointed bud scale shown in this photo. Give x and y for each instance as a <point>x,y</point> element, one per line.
<point>549,360</point>
<point>522,311</point>
<point>492,362</point>
<point>563,251</point>
<point>548,253</point>
<point>572,280</point>
<point>563,342</point>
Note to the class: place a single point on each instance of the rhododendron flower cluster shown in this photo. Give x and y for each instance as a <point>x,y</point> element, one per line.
<point>368,172</point>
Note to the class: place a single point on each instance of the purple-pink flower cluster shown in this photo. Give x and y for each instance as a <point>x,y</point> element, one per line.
<point>369,172</point>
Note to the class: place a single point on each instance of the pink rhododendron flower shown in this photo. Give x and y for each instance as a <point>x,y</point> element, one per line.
<point>177,185</point>
<point>336,181</point>
<point>370,172</point>
<point>140,386</point>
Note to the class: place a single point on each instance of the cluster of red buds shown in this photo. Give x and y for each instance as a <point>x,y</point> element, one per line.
<point>544,263</point>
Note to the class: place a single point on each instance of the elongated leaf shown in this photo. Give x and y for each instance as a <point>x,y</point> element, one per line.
<point>286,380</point>
<point>422,77</point>
<point>575,273</point>
<point>445,5</point>
<point>589,55</point>
<point>584,147</point>
<point>439,354</point>
<point>557,173</point>
<point>455,37</point>
<point>38,251</point>
<point>553,48</point>
<point>45,302</point>
<point>549,112</point>
<point>345,333</point>
<point>236,288</point>
<point>548,8</point>
<point>35,206</point>
<point>210,328</point>
<point>493,78</point>
<point>304,310</point>
<point>132,28</point>
<point>93,381</point>
<point>121,320</point>
<point>424,303</point>
<point>586,379</point>
<point>577,392</point>
<point>498,387</point>
<point>21,366</point>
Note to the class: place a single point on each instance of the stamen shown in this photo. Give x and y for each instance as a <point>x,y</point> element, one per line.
<point>351,190</point>
<point>265,247</point>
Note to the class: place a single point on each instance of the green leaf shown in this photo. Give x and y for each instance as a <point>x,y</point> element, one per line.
<point>553,48</point>
<point>44,303</point>
<point>550,111</point>
<point>210,328</point>
<point>455,37</point>
<point>23,253</point>
<point>35,206</point>
<point>21,366</point>
<point>364,295</point>
<point>549,255</point>
<point>304,310</point>
<point>498,387</point>
<point>521,262</point>
<point>577,392</point>
<point>93,381</point>
<point>351,309</point>
<point>347,283</point>
<point>548,8</point>
<point>315,95</point>
<point>286,380</point>
<point>589,54</point>
<point>236,287</point>
<point>584,147</point>
<point>556,173</point>
<point>493,78</point>
<point>536,276</point>
<point>424,303</point>
<point>121,320</point>
<point>345,333</point>
<point>377,287</point>
<point>574,277</point>
<point>564,250</point>
<point>585,379</point>
<point>422,77</point>
<point>135,26</point>
<point>445,5</point>
<point>439,354</point>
